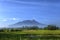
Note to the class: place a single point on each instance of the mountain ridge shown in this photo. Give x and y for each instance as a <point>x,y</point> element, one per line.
<point>26,23</point>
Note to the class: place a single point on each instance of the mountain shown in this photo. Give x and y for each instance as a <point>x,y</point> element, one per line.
<point>26,23</point>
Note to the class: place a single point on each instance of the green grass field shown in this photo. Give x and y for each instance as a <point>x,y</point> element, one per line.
<point>26,35</point>
<point>40,32</point>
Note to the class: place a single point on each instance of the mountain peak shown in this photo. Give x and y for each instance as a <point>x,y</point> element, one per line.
<point>33,20</point>
<point>27,23</point>
<point>29,20</point>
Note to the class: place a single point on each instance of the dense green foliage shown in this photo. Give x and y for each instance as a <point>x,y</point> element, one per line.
<point>51,27</point>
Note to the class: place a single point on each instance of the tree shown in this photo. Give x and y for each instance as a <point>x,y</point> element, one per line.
<point>34,27</point>
<point>1,30</point>
<point>51,27</point>
<point>31,27</point>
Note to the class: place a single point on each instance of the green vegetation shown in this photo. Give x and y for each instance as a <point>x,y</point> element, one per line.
<point>51,27</point>
<point>31,33</point>
<point>40,32</point>
<point>26,37</point>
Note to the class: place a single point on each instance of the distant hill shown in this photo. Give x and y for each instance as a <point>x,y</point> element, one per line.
<point>26,23</point>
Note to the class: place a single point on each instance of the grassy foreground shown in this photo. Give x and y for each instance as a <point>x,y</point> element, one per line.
<point>40,32</point>
<point>31,35</point>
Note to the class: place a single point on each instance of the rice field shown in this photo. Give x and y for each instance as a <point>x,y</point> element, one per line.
<point>31,35</point>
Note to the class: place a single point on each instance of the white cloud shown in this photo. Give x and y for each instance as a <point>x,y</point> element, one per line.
<point>4,20</point>
<point>14,19</point>
<point>9,19</point>
<point>24,2</point>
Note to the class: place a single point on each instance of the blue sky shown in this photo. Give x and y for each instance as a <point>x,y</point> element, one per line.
<point>44,11</point>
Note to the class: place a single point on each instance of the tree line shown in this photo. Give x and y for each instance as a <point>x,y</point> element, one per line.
<point>49,27</point>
